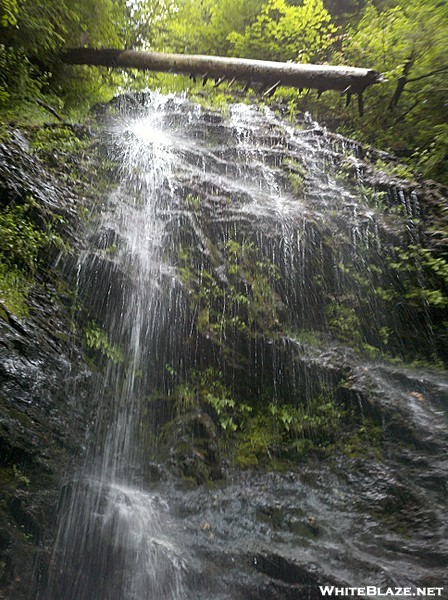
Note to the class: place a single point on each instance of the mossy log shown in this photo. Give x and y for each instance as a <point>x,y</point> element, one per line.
<point>349,80</point>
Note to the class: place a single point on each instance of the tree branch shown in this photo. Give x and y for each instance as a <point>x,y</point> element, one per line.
<point>48,108</point>
<point>402,81</point>
<point>430,74</point>
<point>405,114</point>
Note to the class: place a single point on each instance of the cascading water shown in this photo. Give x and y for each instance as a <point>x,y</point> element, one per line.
<point>169,284</point>
<point>114,539</point>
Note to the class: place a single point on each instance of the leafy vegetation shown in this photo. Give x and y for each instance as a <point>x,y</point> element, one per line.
<point>261,432</point>
<point>22,244</point>
<point>35,32</point>
<point>285,32</point>
<point>97,339</point>
<point>294,430</point>
<point>240,300</point>
<point>62,140</point>
<point>404,39</point>
<point>207,388</point>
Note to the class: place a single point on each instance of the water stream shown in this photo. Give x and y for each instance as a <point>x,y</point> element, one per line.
<point>201,195</point>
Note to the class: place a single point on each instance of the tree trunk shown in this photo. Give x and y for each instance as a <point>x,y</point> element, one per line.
<point>321,77</point>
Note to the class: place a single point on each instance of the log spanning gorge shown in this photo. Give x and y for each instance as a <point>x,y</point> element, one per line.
<point>263,311</point>
<point>348,81</point>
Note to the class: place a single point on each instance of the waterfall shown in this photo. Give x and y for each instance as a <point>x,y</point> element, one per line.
<point>168,283</point>
<point>114,540</point>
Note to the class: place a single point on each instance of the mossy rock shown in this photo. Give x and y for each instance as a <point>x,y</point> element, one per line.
<point>191,441</point>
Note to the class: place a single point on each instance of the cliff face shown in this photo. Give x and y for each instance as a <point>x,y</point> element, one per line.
<point>42,423</point>
<point>209,391</point>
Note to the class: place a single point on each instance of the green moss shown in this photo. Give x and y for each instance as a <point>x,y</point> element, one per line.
<point>309,337</point>
<point>207,388</point>
<point>213,99</point>
<point>20,239</point>
<point>22,243</point>
<point>60,139</point>
<point>14,290</point>
<point>395,169</point>
<point>192,201</point>
<point>256,445</point>
<point>274,435</point>
<point>365,440</point>
<point>296,174</point>
<point>296,181</point>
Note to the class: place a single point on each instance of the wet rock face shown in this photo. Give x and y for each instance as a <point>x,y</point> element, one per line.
<point>41,428</point>
<point>372,511</point>
<point>192,442</point>
<point>249,240</point>
<point>42,425</point>
<point>282,535</point>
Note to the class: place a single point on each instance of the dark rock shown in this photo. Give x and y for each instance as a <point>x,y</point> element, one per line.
<point>374,516</point>
<point>42,426</point>
<point>192,442</point>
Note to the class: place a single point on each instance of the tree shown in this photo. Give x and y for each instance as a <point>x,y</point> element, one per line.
<point>147,21</point>
<point>268,73</point>
<point>213,21</point>
<point>407,42</point>
<point>34,32</point>
<point>285,32</point>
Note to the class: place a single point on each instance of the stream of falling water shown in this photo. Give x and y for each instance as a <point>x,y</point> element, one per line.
<point>114,540</point>
<point>116,537</point>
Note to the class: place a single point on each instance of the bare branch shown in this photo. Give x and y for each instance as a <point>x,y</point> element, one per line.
<point>430,74</point>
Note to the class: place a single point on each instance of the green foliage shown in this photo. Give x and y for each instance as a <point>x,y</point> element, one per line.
<point>20,239</point>
<point>287,32</point>
<point>97,339</point>
<point>22,243</point>
<point>404,39</point>
<point>296,174</point>
<point>20,477</point>
<point>364,439</point>
<point>258,431</point>
<point>61,140</point>
<point>207,388</point>
<point>296,181</point>
<point>18,78</point>
<point>241,299</point>
<point>8,13</point>
<point>398,170</point>
<point>344,323</point>
<point>213,21</point>
<point>35,32</point>
<point>14,289</point>
<point>431,160</point>
<point>307,337</point>
<point>287,431</point>
<point>423,275</point>
<point>146,21</point>
<point>193,201</point>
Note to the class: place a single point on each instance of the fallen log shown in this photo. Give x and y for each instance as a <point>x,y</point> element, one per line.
<point>349,80</point>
